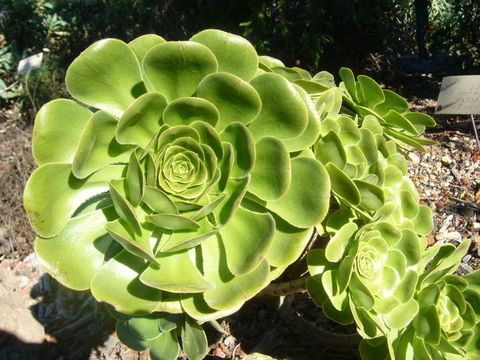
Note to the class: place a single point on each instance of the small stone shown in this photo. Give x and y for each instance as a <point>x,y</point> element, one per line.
<point>467,258</point>
<point>446,224</point>
<point>447,159</point>
<point>466,268</point>
<point>414,157</point>
<point>453,236</point>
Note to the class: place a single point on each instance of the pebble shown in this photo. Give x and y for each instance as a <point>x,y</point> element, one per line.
<point>466,268</point>
<point>414,157</point>
<point>447,159</point>
<point>446,224</point>
<point>453,236</point>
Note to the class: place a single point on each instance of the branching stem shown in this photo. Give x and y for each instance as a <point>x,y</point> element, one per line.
<point>286,288</point>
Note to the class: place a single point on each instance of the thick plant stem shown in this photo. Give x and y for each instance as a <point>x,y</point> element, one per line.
<point>297,323</point>
<point>286,288</point>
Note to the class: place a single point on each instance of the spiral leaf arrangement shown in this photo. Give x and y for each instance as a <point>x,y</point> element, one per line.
<point>177,190</point>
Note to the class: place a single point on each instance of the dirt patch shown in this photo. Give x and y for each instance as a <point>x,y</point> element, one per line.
<point>16,165</point>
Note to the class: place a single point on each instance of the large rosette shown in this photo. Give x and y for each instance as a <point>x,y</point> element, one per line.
<point>185,186</point>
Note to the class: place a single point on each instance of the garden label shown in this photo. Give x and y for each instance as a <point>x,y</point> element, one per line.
<point>459,95</point>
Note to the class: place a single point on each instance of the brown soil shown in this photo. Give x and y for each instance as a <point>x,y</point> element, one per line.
<point>16,164</point>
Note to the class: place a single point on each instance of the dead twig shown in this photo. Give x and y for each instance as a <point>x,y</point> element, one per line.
<point>286,288</point>
<point>466,203</point>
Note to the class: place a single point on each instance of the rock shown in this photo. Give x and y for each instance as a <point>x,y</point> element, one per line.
<point>15,303</point>
<point>466,268</point>
<point>414,157</point>
<point>453,236</point>
<point>447,159</point>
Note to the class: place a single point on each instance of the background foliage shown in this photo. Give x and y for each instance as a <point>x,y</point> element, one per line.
<point>316,35</point>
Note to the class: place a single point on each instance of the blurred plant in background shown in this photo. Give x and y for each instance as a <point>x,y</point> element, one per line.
<point>29,27</point>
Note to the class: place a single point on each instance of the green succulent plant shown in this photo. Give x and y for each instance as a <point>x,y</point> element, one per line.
<point>368,275</point>
<point>184,186</point>
<point>191,174</point>
<point>448,317</point>
<point>365,97</point>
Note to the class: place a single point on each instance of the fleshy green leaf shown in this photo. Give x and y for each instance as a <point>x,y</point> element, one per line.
<point>167,276</point>
<point>284,113</point>
<point>138,245</point>
<point>135,181</point>
<point>368,145</point>
<point>234,54</point>
<point>311,132</point>
<point>195,306</point>
<point>287,244</point>
<point>159,201</point>
<point>235,99</point>
<point>247,237</point>
<point>186,110</point>
<point>141,45</point>
<point>194,340</point>
<point>372,92</point>
<point>117,283</point>
<point>420,119</point>
<point>142,120</point>
<point>243,144</point>
<point>288,73</point>
<point>106,76</point>
<point>57,130</point>
<point>423,222</point>
<point>338,243</point>
<point>271,175</point>
<point>349,81</point>
<point>311,87</point>
<point>235,190</point>
<point>396,119</point>
<point>165,347</point>
<point>329,149</point>
<point>98,147</point>
<point>144,327</point>
<point>176,68</point>
<point>342,185</point>
<point>392,101</point>
<point>361,295</point>
<point>371,196</point>
<point>52,194</point>
<point>74,255</point>
<point>402,315</point>
<point>172,222</point>
<point>406,287</point>
<point>307,200</point>
<point>127,337</point>
<point>185,239</point>
<point>122,206</point>
<point>209,137</point>
<point>230,291</point>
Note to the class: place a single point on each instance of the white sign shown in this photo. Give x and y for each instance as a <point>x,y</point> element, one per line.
<point>30,63</point>
<point>459,95</point>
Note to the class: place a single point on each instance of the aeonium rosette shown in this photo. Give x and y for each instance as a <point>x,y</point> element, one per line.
<point>447,321</point>
<point>369,276</point>
<point>186,185</point>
